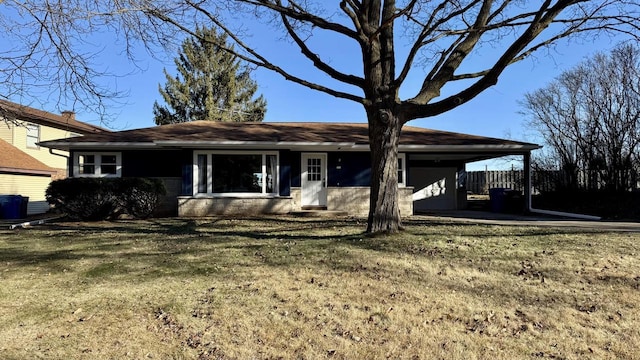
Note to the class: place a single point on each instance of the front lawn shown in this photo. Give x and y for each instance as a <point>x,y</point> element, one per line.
<point>295,288</point>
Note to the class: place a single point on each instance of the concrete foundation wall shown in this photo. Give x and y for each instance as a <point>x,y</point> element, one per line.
<point>193,206</point>
<point>353,200</point>
<point>168,206</point>
<point>296,198</point>
<point>406,200</point>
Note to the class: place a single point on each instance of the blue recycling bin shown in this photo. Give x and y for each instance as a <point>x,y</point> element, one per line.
<point>10,206</point>
<point>24,206</point>
<point>497,199</point>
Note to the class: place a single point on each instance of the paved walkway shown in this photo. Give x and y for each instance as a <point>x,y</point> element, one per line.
<point>482,217</point>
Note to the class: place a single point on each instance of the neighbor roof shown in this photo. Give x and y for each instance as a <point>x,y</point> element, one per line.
<point>13,160</point>
<point>353,136</point>
<point>64,122</point>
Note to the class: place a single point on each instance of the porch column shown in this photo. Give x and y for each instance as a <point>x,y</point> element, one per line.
<point>527,180</point>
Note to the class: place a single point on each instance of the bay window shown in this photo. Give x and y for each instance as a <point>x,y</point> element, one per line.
<point>235,173</point>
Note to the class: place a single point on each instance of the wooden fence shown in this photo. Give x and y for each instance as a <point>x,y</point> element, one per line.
<point>479,182</point>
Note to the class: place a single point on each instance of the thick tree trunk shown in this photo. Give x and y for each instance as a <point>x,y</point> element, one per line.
<point>384,135</point>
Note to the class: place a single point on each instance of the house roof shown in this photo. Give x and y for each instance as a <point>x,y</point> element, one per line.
<point>65,122</point>
<point>13,160</point>
<point>302,136</point>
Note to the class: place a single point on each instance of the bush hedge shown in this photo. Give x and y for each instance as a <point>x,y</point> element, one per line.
<point>105,198</point>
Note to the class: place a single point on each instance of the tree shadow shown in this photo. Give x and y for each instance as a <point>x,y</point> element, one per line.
<point>163,247</point>
<point>156,248</point>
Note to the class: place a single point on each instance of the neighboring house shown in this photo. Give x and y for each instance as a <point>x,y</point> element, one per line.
<point>22,174</point>
<point>26,168</point>
<point>214,168</point>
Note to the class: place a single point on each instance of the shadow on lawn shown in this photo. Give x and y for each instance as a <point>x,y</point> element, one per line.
<point>158,248</point>
<point>165,247</point>
<point>221,225</point>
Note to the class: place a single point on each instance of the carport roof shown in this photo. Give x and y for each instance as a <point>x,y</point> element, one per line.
<point>295,136</point>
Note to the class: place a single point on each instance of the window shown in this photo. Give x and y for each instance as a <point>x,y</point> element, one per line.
<point>235,173</point>
<point>87,164</point>
<point>402,171</point>
<point>97,165</point>
<point>272,174</point>
<point>314,170</point>
<point>203,171</point>
<point>33,136</point>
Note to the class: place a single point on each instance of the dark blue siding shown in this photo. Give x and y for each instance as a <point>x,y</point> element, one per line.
<point>153,163</point>
<point>432,163</point>
<point>187,172</point>
<point>343,168</point>
<point>349,169</point>
<point>285,173</point>
<point>70,163</point>
<point>295,160</point>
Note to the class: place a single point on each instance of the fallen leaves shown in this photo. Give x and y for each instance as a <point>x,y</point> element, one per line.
<point>529,271</point>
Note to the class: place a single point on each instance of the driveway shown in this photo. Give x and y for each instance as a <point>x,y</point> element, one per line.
<point>490,218</point>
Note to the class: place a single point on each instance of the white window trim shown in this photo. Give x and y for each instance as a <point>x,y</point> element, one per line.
<point>403,181</point>
<point>97,164</point>
<point>37,137</point>
<point>210,192</point>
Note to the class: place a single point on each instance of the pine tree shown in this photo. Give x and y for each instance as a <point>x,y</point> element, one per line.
<point>211,85</point>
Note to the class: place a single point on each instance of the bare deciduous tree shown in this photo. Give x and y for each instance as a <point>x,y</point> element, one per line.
<point>54,51</point>
<point>438,41</point>
<point>589,117</point>
<point>42,53</point>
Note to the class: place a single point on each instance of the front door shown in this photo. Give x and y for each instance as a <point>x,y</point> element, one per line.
<point>314,180</point>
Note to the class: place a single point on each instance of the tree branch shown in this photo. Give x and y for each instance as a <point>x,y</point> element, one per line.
<point>317,62</point>
<point>302,15</point>
<point>574,26</point>
<point>431,86</point>
<point>254,57</point>
<point>428,29</point>
<point>543,18</point>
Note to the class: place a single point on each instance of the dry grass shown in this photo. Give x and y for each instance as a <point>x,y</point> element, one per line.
<point>310,289</point>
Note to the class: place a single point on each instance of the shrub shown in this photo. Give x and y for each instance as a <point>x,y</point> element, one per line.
<point>105,198</point>
<point>83,198</point>
<point>139,196</point>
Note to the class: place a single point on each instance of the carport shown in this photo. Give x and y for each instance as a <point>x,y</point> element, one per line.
<point>437,172</point>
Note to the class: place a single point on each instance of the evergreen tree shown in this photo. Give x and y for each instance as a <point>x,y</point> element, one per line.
<point>211,85</point>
